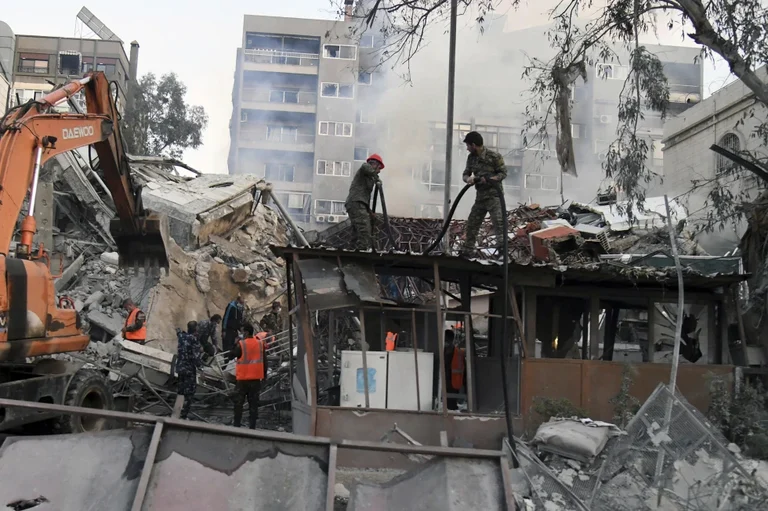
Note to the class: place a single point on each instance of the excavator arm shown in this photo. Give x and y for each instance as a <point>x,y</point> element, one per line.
<point>30,135</point>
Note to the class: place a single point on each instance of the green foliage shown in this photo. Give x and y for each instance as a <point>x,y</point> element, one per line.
<point>741,416</point>
<point>548,407</point>
<point>160,122</point>
<point>625,405</point>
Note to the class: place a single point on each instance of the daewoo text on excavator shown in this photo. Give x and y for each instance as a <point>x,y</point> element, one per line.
<point>32,322</point>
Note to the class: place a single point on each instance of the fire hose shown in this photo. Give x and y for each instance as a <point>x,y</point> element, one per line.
<point>505,300</point>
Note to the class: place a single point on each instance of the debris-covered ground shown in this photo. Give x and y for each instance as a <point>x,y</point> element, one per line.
<point>680,464</point>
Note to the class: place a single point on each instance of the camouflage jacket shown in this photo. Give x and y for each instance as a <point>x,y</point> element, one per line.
<point>208,336</point>
<point>362,185</point>
<point>489,165</point>
<point>188,353</point>
<point>271,322</point>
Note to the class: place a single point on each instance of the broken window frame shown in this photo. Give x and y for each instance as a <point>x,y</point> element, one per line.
<point>337,51</point>
<point>285,172</point>
<point>325,88</point>
<point>72,68</point>
<point>335,129</point>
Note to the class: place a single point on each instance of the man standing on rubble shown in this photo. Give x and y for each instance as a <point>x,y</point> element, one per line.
<point>250,370</point>
<point>272,321</point>
<point>187,362</point>
<point>485,169</point>
<point>206,330</point>
<point>233,322</point>
<point>135,328</point>
<point>358,202</point>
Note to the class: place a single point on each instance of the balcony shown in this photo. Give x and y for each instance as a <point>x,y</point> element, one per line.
<point>281,61</point>
<point>281,138</point>
<point>279,100</point>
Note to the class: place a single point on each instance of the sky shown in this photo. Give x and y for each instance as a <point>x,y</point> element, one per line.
<point>198,41</point>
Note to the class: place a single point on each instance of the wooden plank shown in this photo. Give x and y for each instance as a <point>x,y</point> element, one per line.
<point>651,330</point>
<point>506,480</point>
<point>330,492</point>
<point>364,347</point>
<point>529,311</point>
<point>518,320</point>
<point>440,338</point>
<point>306,333</point>
<point>416,358</point>
<point>177,406</point>
<point>594,326</point>
<point>149,463</point>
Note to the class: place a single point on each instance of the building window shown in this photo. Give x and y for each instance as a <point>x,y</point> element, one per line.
<point>297,204</point>
<point>364,117</point>
<point>361,153</point>
<point>329,207</point>
<point>337,90</point>
<point>365,78</point>
<point>366,41</point>
<point>334,168</point>
<point>611,71</point>
<point>577,131</point>
<point>279,172</point>
<point>33,63</point>
<point>69,63</point>
<point>340,51</point>
<point>243,116</point>
<point>284,96</point>
<point>336,129</point>
<point>542,182</point>
<point>731,142</point>
<point>431,211</point>
<point>288,134</point>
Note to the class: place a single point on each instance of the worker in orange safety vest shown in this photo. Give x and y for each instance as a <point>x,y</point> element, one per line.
<point>135,328</point>
<point>250,370</point>
<point>391,341</point>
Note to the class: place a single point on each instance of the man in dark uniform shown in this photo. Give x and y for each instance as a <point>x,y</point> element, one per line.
<point>187,362</point>
<point>272,321</point>
<point>358,202</point>
<point>232,323</point>
<point>485,169</point>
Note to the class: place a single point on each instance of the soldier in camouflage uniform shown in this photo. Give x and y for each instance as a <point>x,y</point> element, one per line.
<point>208,334</point>
<point>272,322</point>
<point>485,169</point>
<point>358,202</point>
<point>187,362</point>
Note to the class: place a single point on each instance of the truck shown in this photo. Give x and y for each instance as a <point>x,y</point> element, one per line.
<point>34,322</point>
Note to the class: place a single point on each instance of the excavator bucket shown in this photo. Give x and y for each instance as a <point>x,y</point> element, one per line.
<point>146,250</point>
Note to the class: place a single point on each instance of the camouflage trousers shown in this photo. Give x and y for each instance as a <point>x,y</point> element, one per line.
<point>484,204</point>
<point>187,387</point>
<point>361,223</point>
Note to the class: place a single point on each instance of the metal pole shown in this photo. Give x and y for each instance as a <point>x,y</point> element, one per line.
<point>288,278</point>
<point>364,347</point>
<point>35,180</point>
<point>678,336</point>
<point>299,236</point>
<point>449,114</point>
<point>416,358</point>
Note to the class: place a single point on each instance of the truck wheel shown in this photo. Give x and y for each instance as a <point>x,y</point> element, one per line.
<point>88,389</point>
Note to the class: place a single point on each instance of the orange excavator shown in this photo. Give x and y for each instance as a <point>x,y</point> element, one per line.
<point>32,323</point>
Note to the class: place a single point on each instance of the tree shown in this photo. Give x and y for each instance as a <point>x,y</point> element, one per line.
<point>158,122</point>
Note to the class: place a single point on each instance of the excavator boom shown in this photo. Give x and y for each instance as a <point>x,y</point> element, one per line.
<point>32,321</point>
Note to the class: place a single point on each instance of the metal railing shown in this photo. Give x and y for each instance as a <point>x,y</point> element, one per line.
<point>286,58</point>
<point>33,69</point>
<point>260,132</point>
<point>280,96</point>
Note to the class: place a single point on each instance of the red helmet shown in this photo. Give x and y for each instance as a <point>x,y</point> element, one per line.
<point>376,157</point>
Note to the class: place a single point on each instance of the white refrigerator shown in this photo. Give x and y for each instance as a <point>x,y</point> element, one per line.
<point>401,381</point>
<point>352,382</point>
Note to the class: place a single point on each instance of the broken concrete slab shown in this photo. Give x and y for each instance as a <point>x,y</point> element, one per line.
<point>69,274</point>
<point>442,484</point>
<point>82,471</point>
<point>94,299</point>
<point>112,258</point>
<point>110,324</point>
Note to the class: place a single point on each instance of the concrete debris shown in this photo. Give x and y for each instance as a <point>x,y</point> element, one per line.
<point>580,440</point>
<point>112,258</point>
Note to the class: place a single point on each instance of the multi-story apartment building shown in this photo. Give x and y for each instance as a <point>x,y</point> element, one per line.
<point>42,62</point>
<point>295,117</point>
<point>7,45</point>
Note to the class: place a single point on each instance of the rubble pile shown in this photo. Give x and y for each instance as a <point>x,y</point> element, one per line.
<point>681,465</point>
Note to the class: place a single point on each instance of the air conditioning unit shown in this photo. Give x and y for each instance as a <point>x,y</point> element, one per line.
<point>605,119</point>
<point>321,219</point>
<point>334,219</point>
<point>602,156</point>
